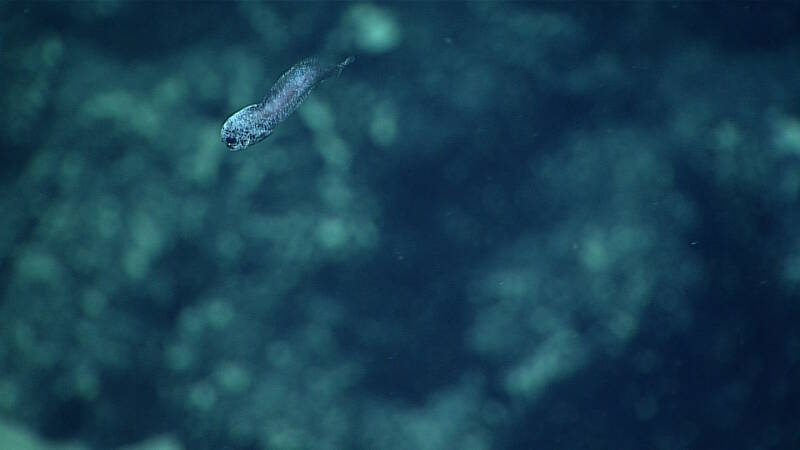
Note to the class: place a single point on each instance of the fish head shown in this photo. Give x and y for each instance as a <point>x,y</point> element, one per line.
<point>244,128</point>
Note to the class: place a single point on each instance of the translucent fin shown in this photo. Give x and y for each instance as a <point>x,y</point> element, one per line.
<point>349,60</point>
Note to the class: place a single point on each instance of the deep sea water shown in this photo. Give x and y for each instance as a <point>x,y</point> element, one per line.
<point>504,226</point>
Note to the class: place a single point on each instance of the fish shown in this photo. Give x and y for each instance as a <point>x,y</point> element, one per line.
<point>254,123</point>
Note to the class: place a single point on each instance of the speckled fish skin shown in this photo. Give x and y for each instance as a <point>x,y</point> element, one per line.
<point>252,124</point>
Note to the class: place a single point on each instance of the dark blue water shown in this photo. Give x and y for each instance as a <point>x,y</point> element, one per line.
<point>504,226</point>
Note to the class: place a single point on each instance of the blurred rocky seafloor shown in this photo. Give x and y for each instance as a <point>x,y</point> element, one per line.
<point>506,225</point>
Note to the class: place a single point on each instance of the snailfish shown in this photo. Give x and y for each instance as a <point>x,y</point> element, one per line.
<point>252,124</point>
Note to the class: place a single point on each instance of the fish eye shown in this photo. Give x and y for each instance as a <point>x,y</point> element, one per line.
<point>230,140</point>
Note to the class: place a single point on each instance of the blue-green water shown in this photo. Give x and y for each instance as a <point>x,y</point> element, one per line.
<point>504,226</point>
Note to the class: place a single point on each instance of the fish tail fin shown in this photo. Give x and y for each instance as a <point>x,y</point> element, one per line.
<point>347,61</point>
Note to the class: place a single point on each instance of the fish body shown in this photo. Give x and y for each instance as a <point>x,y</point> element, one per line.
<point>252,124</point>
